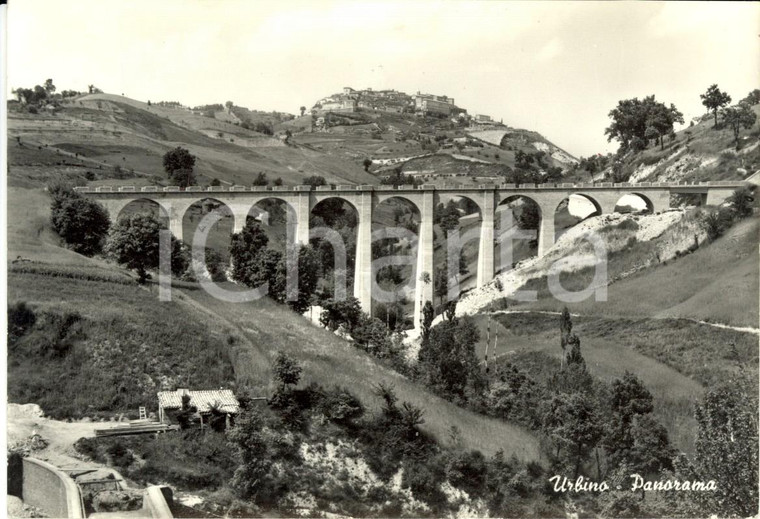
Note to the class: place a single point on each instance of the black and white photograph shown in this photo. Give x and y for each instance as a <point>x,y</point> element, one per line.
<point>380,259</point>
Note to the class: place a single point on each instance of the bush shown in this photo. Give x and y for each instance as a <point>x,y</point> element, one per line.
<point>20,319</point>
<point>341,407</point>
<point>82,223</point>
<point>120,455</point>
<point>717,222</point>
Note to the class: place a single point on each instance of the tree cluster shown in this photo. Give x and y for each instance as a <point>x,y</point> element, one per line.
<point>255,264</point>
<point>82,223</point>
<point>179,164</point>
<point>637,121</point>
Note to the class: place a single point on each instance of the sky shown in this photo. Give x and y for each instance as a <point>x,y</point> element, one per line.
<point>554,67</point>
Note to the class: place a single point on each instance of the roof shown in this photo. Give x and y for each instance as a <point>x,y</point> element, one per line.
<point>202,400</point>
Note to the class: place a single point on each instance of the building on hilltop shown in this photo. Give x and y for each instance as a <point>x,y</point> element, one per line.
<point>433,104</point>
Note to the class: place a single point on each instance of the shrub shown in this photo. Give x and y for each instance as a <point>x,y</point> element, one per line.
<point>82,223</point>
<point>340,406</point>
<point>120,455</point>
<point>20,319</point>
<point>715,223</point>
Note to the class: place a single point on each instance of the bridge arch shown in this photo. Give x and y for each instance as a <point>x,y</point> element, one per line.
<point>278,216</point>
<point>634,203</point>
<point>395,269</point>
<point>513,212</point>
<point>219,235</point>
<point>573,209</point>
<point>334,225</point>
<point>142,206</point>
<point>460,216</point>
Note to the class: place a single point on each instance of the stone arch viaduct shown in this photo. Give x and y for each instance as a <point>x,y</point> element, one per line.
<point>301,199</point>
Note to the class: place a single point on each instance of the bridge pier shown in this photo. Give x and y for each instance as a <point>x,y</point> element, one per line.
<point>486,246</point>
<point>363,263</point>
<point>302,208</point>
<point>545,233</point>
<point>424,291</point>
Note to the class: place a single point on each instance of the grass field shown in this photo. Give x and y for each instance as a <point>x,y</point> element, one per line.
<point>717,283</point>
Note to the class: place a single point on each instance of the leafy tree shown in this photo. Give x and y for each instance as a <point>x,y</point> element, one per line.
<point>303,109</point>
<point>738,117</point>
<point>315,180</point>
<point>229,105</point>
<point>726,447</point>
<point>309,269</point>
<point>573,424</point>
<point>742,201</point>
<point>529,216</point>
<point>179,164</point>
<point>286,370</point>
<point>215,182</point>
<point>253,473</point>
<point>632,117</point>
<point>447,216</point>
<point>661,120</point>
<point>277,182</point>
<point>367,163</point>
<point>717,222</point>
<point>261,179</point>
<point>397,178</point>
<point>651,452</point>
<point>264,128</point>
<point>752,98</point>
<point>448,362</point>
<point>565,329</point>
<point>713,99</point>
<point>253,264</point>
<point>134,242</point>
<point>629,398</point>
<point>49,87</point>
<point>335,313</point>
<point>428,314</point>
<point>82,223</point>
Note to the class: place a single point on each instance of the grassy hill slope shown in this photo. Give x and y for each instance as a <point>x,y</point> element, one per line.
<point>116,311</point>
<point>104,132</point>
<point>717,282</point>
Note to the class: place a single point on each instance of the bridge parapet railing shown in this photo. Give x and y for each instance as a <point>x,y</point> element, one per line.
<point>325,188</point>
<point>171,189</point>
<point>345,187</point>
<point>149,189</point>
<point>261,188</point>
<point>385,188</point>
<point>216,188</point>
<point>194,188</point>
<point>104,189</point>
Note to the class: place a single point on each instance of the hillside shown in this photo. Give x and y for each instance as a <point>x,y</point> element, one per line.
<point>53,279</point>
<point>697,153</point>
<point>116,138</point>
